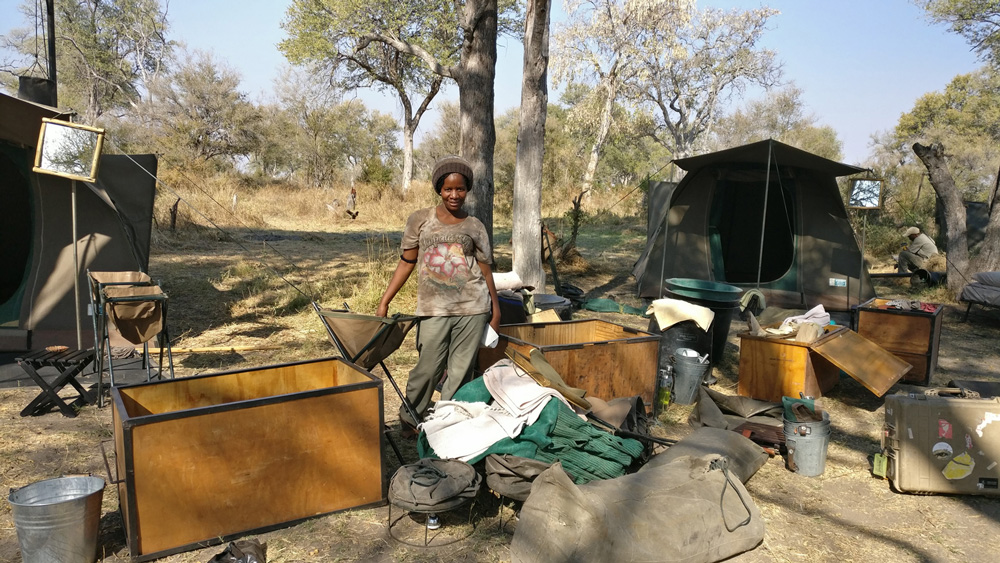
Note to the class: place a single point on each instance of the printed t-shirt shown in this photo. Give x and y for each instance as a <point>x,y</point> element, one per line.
<point>449,281</point>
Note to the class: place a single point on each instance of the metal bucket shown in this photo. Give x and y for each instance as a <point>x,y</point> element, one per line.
<point>689,372</point>
<point>807,443</point>
<point>58,519</point>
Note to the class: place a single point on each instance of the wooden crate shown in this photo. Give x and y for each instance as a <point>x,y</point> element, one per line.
<point>606,359</point>
<point>204,459</point>
<point>773,368</point>
<point>913,336</point>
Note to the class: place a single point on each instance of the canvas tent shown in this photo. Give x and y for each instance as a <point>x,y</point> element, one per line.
<point>114,215</point>
<point>709,226</point>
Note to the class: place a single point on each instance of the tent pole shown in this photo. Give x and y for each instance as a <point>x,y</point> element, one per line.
<point>76,269</point>
<point>663,255</point>
<point>861,272</point>
<point>763,220</point>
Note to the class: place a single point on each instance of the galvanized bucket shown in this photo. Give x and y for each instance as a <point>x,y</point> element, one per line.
<point>807,443</point>
<point>689,372</point>
<point>58,519</point>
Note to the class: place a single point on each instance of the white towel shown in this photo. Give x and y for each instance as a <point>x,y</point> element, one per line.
<point>816,315</point>
<point>462,431</point>
<point>516,392</point>
<point>669,312</point>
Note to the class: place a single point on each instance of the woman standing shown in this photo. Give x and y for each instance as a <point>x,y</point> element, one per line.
<point>456,297</point>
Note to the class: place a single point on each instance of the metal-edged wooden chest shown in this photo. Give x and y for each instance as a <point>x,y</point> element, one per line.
<point>912,335</point>
<point>607,360</point>
<point>203,459</point>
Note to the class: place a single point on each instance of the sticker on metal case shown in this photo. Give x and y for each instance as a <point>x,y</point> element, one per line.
<point>960,467</point>
<point>968,442</point>
<point>944,429</point>
<point>942,450</point>
<point>988,418</point>
<point>988,483</point>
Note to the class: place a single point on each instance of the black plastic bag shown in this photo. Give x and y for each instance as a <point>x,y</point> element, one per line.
<point>242,551</point>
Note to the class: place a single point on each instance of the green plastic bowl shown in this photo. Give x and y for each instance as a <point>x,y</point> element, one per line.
<point>704,289</point>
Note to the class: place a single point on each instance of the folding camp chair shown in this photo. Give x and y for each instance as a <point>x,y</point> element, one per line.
<point>367,341</point>
<point>129,306</point>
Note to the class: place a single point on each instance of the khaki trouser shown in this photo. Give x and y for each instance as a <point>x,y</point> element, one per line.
<point>909,262</point>
<point>442,343</point>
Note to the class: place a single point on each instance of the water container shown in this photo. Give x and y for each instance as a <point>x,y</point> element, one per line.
<point>58,519</point>
<point>685,334</point>
<point>807,443</point>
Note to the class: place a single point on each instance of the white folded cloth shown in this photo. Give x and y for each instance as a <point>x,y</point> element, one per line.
<point>669,312</point>
<point>816,315</point>
<point>516,392</point>
<point>458,430</point>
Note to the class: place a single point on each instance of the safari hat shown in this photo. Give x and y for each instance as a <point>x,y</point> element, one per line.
<point>912,231</point>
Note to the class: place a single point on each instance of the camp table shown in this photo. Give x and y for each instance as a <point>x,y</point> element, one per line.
<point>69,363</point>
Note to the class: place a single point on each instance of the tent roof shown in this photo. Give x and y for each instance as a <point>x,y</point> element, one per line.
<point>783,155</point>
<point>21,119</point>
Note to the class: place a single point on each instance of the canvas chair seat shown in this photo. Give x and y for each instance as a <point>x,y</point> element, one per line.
<point>136,311</point>
<point>366,340</point>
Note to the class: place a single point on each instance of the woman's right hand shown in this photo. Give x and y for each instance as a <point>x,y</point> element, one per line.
<point>383,310</point>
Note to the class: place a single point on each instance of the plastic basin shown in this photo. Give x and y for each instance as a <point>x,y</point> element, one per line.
<point>704,289</point>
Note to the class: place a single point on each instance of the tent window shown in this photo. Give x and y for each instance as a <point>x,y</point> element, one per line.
<point>15,230</point>
<point>735,228</point>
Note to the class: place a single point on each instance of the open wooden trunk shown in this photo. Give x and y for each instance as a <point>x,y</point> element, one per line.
<point>204,459</point>
<point>605,359</point>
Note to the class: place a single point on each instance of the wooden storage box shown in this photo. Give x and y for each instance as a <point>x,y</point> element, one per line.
<point>203,459</point>
<point>606,359</point>
<point>772,368</point>
<point>912,335</point>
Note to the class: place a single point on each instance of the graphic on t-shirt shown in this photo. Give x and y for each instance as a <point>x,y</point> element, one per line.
<point>445,264</point>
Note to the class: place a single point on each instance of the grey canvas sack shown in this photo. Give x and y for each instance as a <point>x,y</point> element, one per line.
<point>691,509</point>
<point>433,485</point>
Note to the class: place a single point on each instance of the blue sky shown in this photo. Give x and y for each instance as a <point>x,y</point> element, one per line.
<point>860,63</point>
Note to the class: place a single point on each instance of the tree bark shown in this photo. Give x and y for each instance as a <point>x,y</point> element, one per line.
<point>527,228</point>
<point>988,259</point>
<point>475,77</point>
<point>611,92</point>
<point>956,241</point>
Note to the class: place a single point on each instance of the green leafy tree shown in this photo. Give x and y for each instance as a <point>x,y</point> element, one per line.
<point>601,46</point>
<point>965,118</point>
<point>978,21</point>
<point>414,29</point>
<point>955,135</point>
<point>107,52</point>
<point>332,140</point>
<point>337,37</point>
<point>199,113</point>
<point>692,70</point>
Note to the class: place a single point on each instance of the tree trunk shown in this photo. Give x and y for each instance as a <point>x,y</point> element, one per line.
<point>956,241</point>
<point>410,123</point>
<point>408,127</point>
<point>988,259</point>
<point>475,93</point>
<point>602,132</point>
<point>527,228</point>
